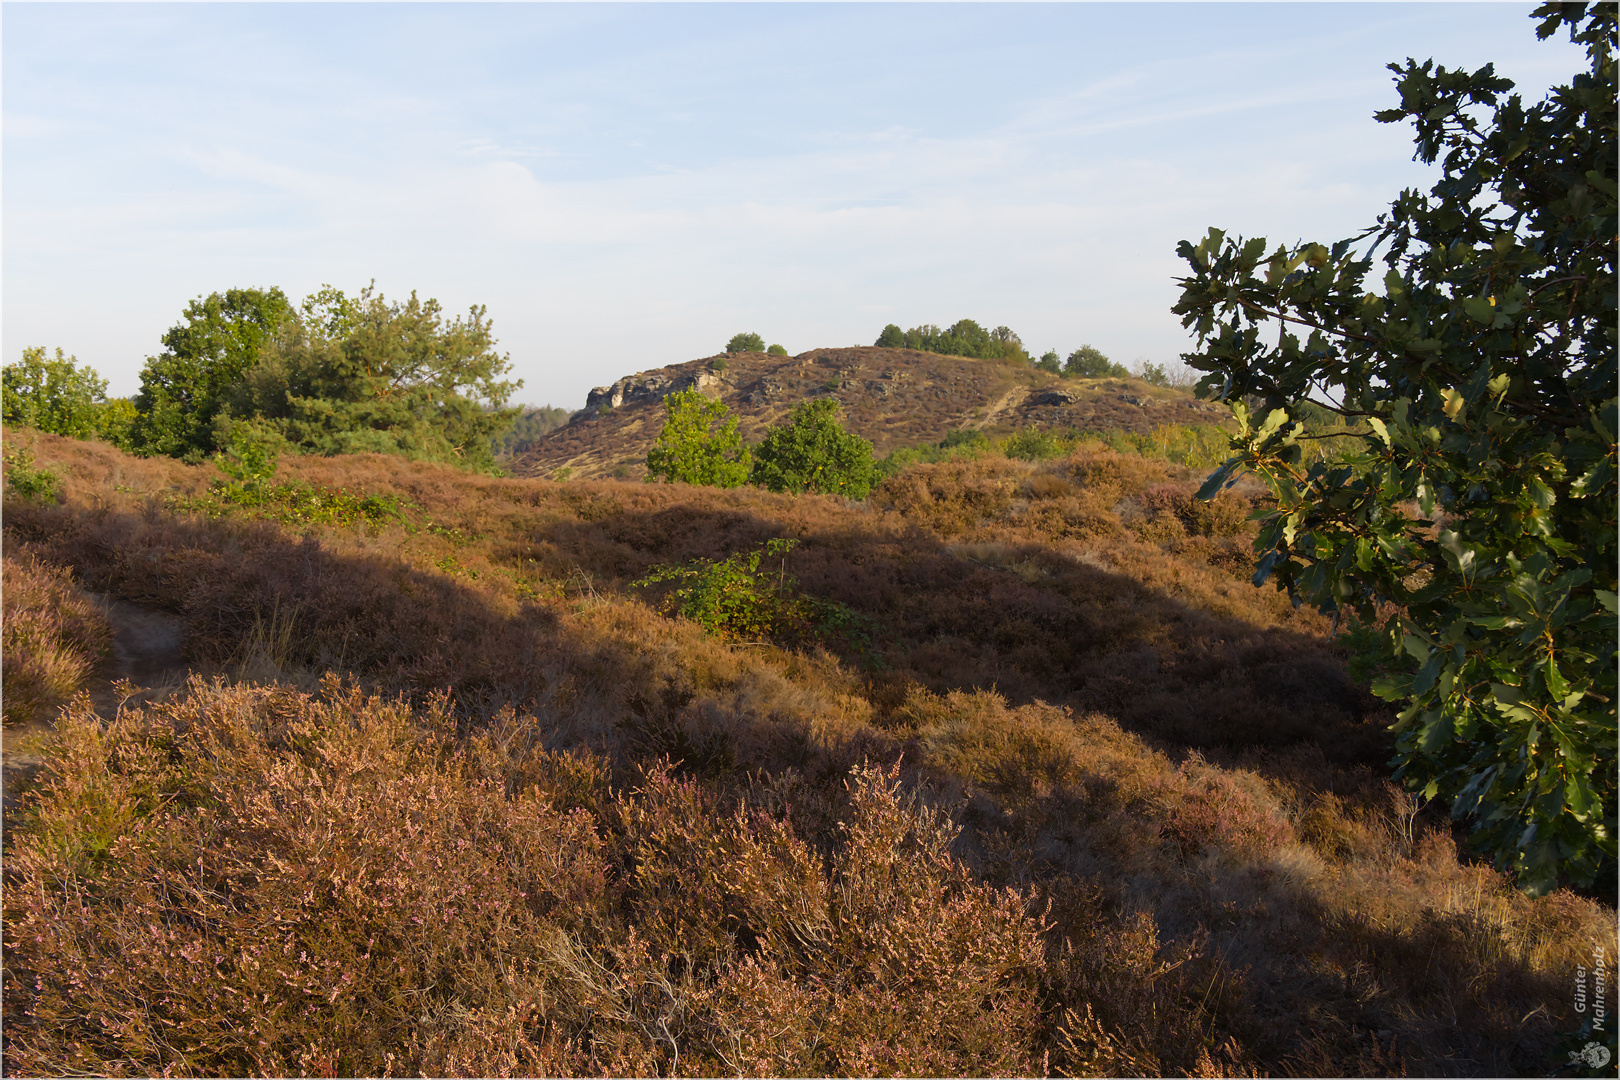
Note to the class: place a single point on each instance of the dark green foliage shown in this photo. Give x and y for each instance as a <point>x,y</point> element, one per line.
<point>1049,362</point>
<point>776,350</point>
<point>62,398</point>
<point>183,388</point>
<point>745,343</point>
<point>963,338</point>
<point>1480,367</point>
<point>1088,362</point>
<point>364,375</point>
<point>692,449</point>
<point>812,452</point>
<point>529,426</point>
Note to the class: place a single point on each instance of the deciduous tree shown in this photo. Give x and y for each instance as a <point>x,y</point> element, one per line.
<point>699,444</point>
<point>1480,366</point>
<point>56,395</point>
<point>812,452</point>
<point>182,387</point>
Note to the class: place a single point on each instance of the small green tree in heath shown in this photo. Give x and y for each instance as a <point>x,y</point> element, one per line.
<point>699,444</point>
<point>812,452</point>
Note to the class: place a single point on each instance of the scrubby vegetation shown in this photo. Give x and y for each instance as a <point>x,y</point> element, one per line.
<point>1075,798</point>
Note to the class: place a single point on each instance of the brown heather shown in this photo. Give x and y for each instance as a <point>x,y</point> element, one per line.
<point>1100,807</point>
<point>53,638</point>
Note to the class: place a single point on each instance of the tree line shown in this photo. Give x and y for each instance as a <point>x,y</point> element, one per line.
<point>967,338</point>
<point>334,374</point>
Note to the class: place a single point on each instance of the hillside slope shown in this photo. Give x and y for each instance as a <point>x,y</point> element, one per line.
<point>1007,770</point>
<point>890,397</point>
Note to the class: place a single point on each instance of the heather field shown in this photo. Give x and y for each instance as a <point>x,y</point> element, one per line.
<point>1006,770</point>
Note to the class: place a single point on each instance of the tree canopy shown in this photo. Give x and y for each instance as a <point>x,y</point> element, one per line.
<point>964,338</point>
<point>812,452</point>
<point>360,374</point>
<point>699,444</point>
<point>745,343</point>
<point>1089,362</point>
<point>56,395</point>
<point>1480,365</point>
<point>182,387</point>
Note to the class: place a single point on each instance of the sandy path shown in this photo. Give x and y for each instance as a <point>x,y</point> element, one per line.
<point>1007,401</point>
<point>148,650</point>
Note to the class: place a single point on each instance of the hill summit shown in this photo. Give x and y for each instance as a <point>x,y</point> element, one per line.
<point>891,397</point>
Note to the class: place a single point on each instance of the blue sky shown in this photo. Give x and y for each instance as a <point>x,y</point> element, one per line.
<point>625,186</point>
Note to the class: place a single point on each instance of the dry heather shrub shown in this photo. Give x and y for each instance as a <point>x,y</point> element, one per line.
<point>1114,475</point>
<point>952,496</point>
<point>1225,812</point>
<point>54,637</point>
<point>255,880</point>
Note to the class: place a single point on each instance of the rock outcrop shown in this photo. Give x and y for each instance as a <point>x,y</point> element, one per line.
<point>651,386</point>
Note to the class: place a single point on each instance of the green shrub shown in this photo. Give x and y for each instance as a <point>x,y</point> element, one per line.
<point>811,452</point>
<point>56,395</point>
<point>776,350</point>
<point>730,596</point>
<point>957,446</point>
<point>1037,444</point>
<point>699,444</point>
<point>1089,362</point>
<point>745,343</point>
<point>28,481</point>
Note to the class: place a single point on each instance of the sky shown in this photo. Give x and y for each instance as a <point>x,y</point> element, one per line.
<point>624,186</point>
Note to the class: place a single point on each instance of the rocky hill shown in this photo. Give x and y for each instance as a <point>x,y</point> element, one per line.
<point>891,397</point>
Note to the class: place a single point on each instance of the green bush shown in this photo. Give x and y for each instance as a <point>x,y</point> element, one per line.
<point>1088,362</point>
<point>811,452</point>
<point>1037,444</point>
<point>28,481</point>
<point>699,444</point>
<point>734,598</point>
<point>776,350</point>
<point>963,338</point>
<point>58,396</point>
<point>955,446</point>
<point>731,597</point>
<point>745,343</point>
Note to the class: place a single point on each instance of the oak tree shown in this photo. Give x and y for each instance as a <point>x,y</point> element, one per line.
<point>1478,364</point>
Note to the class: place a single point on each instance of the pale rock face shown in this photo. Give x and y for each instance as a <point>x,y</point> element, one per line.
<point>651,386</point>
